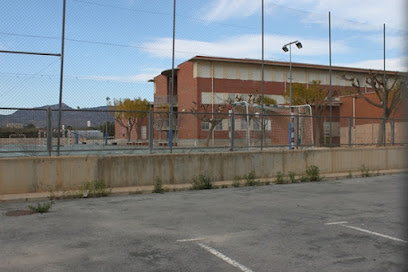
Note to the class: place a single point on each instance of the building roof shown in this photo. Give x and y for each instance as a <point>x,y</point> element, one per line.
<point>286,64</point>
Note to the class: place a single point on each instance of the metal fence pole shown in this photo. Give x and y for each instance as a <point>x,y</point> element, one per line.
<point>61,77</point>
<point>151,131</point>
<point>349,131</point>
<point>49,131</point>
<point>232,132</point>
<point>297,130</point>
<point>393,131</point>
<point>385,132</point>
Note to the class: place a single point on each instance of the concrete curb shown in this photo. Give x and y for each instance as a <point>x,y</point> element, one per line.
<point>133,190</point>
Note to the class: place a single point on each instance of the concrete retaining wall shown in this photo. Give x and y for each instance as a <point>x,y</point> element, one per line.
<point>25,175</point>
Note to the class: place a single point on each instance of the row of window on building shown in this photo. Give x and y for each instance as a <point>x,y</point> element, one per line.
<point>240,124</point>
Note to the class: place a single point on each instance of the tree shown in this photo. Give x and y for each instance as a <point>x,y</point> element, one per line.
<point>314,95</point>
<point>389,91</point>
<point>203,113</point>
<point>269,101</point>
<point>130,114</point>
<point>161,119</point>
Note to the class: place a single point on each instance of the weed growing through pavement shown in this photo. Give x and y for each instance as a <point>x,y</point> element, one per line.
<point>41,208</point>
<point>158,187</point>
<point>303,178</point>
<point>250,179</point>
<point>202,182</point>
<point>313,173</point>
<point>95,189</point>
<point>292,177</point>
<point>280,179</point>
<point>235,182</point>
<point>365,172</point>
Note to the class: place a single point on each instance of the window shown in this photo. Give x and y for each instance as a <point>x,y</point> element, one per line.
<point>205,125</point>
<point>244,73</point>
<point>218,126</point>
<point>243,124</point>
<point>205,98</point>
<point>257,124</point>
<point>218,98</point>
<point>144,132</point>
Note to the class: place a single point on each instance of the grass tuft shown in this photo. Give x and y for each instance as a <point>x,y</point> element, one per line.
<point>202,182</point>
<point>313,173</point>
<point>250,179</point>
<point>41,208</point>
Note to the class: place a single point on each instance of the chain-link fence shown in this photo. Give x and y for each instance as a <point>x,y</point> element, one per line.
<point>33,132</point>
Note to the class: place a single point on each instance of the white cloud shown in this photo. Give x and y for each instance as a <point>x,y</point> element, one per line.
<point>138,78</point>
<point>244,46</point>
<point>391,42</point>
<point>371,15</point>
<point>221,10</point>
<point>390,12</point>
<point>393,64</point>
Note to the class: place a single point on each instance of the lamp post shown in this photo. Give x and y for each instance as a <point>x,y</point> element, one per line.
<point>285,49</point>
<point>106,125</point>
<point>291,127</point>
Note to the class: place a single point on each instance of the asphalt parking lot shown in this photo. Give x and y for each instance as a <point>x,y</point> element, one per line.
<point>341,225</point>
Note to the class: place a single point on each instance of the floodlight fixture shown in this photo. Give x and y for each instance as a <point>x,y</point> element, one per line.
<point>285,48</point>
<point>299,45</point>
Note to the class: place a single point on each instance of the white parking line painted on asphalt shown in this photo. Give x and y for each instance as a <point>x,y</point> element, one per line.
<point>337,223</point>
<point>225,258</point>
<point>376,233</point>
<point>342,223</point>
<point>191,240</point>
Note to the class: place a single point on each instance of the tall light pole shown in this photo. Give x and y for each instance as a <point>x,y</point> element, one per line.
<point>285,48</point>
<point>291,126</point>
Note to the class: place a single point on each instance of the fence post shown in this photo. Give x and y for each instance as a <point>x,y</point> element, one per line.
<point>392,131</point>
<point>297,130</point>
<point>349,131</point>
<point>385,132</point>
<point>49,131</point>
<point>151,131</point>
<point>232,132</point>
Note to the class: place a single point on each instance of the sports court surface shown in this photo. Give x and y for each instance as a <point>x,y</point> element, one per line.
<point>341,225</point>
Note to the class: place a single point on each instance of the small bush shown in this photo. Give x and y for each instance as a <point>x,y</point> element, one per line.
<point>95,189</point>
<point>202,182</point>
<point>224,186</point>
<point>365,172</point>
<point>41,208</point>
<point>235,182</point>
<point>158,188</point>
<point>292,178</point>
<point>267,182</point>
<point>303,179</point>
<point>350,175</point>
<point>312,173</point>
<point>250,179</point>
<point>280,179</point>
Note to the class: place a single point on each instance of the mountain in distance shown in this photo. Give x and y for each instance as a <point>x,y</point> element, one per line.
<point>76,118</point>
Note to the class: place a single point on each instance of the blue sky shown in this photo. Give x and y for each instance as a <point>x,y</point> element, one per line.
<point>113,47</point>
